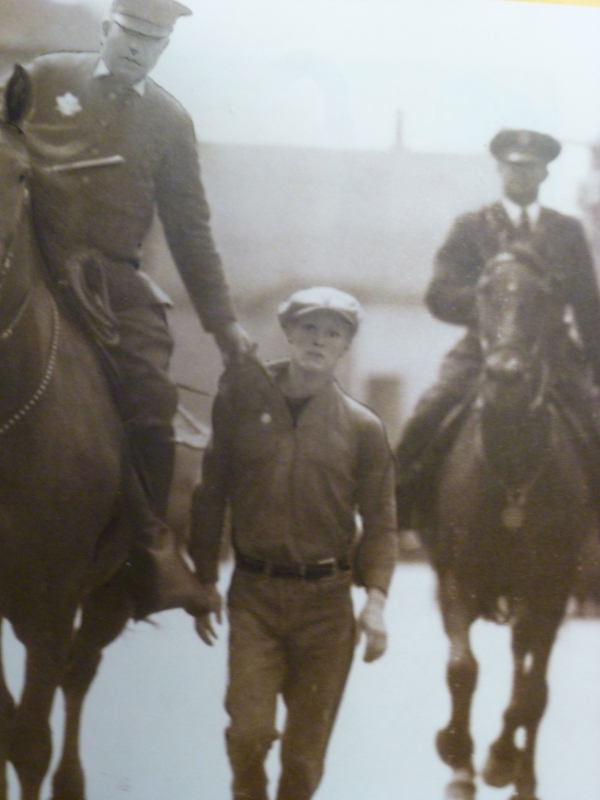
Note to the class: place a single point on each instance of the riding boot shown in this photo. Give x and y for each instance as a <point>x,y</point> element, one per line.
<point>413,451</point>
<point>161,578</point>
<point>153,449</point>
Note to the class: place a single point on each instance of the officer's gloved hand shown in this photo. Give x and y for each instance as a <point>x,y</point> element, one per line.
<point>372,624</point>
<point>204,626</point>
<point>233,342</point>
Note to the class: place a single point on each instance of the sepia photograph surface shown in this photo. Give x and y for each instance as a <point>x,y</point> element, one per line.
<point>339,141</point>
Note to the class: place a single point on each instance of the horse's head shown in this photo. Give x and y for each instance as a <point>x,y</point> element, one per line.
<point>515,313</point>
<point>14,159</point>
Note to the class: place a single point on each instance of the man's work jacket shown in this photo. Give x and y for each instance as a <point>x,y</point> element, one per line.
<point>294,490</point>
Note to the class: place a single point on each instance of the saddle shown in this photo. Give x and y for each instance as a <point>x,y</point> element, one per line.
<point>84,287</point>
<point>81,289</point>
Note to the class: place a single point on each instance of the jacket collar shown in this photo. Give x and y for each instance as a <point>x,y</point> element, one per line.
<point>102,70</point>
<point>319,401</point>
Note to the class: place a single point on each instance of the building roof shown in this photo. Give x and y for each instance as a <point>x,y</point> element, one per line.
<point>367,221</point>
<point>30,27</point>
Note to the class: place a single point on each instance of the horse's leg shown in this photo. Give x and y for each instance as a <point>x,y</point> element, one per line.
<point>104,615</point>
<point>508,761</point>
<point>454,742</point>
<point>30,742</point>
<point>7,710</point>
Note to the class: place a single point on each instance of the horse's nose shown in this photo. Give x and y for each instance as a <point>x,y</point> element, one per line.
<point>502,366</point>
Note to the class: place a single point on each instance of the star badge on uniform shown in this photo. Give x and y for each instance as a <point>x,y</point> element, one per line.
<point>68,104</point>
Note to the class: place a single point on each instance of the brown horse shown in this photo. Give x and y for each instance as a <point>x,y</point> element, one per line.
<point>513,503</point>
<point>64,531</point>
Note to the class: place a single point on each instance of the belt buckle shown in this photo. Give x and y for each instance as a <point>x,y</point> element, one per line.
<point>329,562</point>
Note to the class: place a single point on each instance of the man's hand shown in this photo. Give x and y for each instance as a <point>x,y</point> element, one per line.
<point>233,342</point>
<point>204,627</point>
<point>371,623</point>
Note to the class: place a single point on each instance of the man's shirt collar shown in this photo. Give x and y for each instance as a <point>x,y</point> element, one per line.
<point>514,211</point>
<point>102,70</point>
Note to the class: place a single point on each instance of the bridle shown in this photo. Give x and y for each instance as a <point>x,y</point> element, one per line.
<point>516,498</point>
<point>7,332</point>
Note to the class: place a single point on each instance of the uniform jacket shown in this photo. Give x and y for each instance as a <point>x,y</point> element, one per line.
<point>76,117</point>
<point>294,491</point>
<point>558,240</point>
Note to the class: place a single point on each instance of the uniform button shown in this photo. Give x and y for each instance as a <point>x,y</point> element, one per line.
<point>85,179</point>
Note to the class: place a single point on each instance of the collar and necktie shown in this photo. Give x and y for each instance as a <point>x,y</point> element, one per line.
<point>524,226</point>
<point>523,218</point>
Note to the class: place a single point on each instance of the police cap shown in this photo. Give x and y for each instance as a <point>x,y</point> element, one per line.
<point>321,298</point>
<point>149,17</point>
<point>521,146</point>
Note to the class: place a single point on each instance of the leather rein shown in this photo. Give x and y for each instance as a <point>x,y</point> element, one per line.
<point>8,331</point>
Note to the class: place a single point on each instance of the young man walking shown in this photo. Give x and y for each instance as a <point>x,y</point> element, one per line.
<point>295,459</point>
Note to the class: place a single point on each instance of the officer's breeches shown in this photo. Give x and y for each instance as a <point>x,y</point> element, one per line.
<point>457,375</point>
<point>142,358</point>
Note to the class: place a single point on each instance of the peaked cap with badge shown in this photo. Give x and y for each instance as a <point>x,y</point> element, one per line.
<point>523,146</point>
<point>155,18</point>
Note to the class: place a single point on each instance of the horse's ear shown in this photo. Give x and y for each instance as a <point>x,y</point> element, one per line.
<point>17,95</point>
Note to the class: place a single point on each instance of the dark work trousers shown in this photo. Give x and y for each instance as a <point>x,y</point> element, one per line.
<point>149,398</point>
<point>295,638</point>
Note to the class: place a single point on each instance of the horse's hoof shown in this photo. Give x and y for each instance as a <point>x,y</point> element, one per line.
<point>460,789</point>
<point>500,768</point>
<point>523,797</point>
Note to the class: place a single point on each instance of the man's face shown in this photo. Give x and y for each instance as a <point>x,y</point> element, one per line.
<point>318,340</point>
<point>128,55</point>
<point>521,180</point>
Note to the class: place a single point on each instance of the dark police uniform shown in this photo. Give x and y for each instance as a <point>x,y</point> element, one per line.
<point>80,114</point>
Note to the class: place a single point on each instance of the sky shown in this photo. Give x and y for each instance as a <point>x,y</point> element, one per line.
<point>341,73</point>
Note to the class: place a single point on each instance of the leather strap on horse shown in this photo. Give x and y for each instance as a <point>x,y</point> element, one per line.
<point>84,284</point>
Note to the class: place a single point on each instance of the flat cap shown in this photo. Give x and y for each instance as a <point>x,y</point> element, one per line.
<point>321,298</point>
<point>524,146</point>
<point>149,17</point>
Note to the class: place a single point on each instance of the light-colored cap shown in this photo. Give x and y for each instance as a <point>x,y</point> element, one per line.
<point>321,298</point>
<point>154,18</point>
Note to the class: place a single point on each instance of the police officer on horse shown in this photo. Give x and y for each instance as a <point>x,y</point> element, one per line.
<point>110,146</point>
<point>556,243</point>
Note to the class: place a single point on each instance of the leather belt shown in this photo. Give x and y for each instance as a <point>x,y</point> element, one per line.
<point>309,572</point>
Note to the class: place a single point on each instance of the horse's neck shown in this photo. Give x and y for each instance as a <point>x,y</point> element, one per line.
<point>26,320</point>
<point>21,270</point>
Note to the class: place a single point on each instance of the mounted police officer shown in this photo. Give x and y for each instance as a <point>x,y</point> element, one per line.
<point>109,147</point>
<point>557,242</point>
